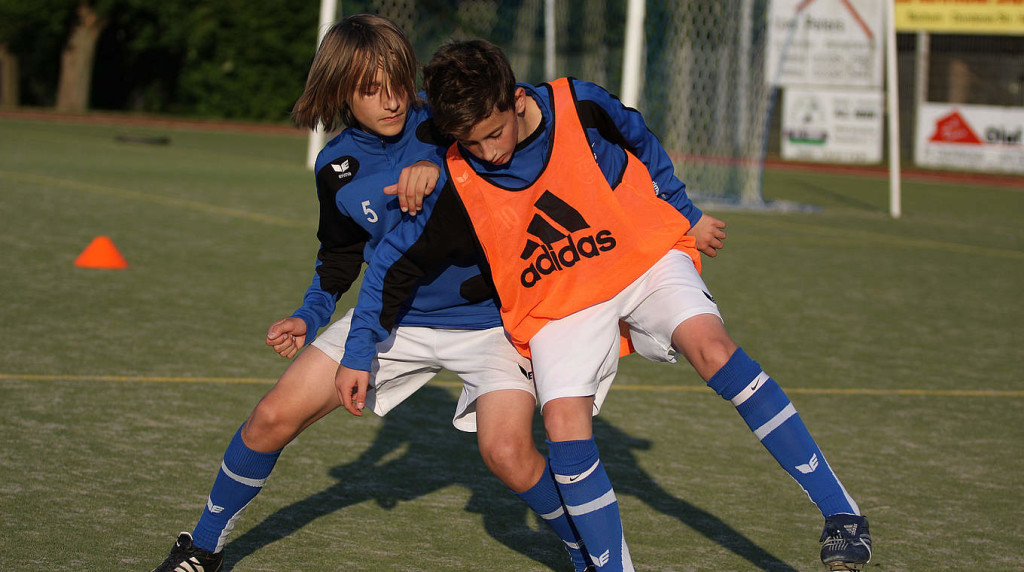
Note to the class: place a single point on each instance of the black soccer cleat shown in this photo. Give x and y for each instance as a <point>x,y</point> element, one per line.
<point>186,557</point>
<point>846,543</point>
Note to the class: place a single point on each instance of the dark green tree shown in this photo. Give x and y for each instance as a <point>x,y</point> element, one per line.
<point>217,58</point>
<point>247,58</point>
<point>140,56</point>
<point>32,35</point>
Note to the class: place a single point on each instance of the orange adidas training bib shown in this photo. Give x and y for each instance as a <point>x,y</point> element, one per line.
<point>570,240</point>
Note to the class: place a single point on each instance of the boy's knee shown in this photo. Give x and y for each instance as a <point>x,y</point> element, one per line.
<point>569,418</point>
<point>710,354</point>
<point>269,427</point>
<point>715,353</point>
<point>705,343</point>
<point>515,461</point>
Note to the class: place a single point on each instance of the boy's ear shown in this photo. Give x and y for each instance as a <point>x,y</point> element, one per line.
<point>519,100</point>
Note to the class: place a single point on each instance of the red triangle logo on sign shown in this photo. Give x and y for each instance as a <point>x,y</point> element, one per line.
<point>954,129</point>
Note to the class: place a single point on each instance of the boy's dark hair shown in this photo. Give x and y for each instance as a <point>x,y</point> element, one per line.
<point>347,60</point>
<point>465,81</point>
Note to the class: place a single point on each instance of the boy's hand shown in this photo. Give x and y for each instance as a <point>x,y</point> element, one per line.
<point>351,385</point>
<point>709,234</point>
<point>415,182</point>
<point>287,336</point>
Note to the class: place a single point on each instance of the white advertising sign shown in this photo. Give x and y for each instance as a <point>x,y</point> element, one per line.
<point>970,137</point>
<point>825,43</point>
<point>832,126</point>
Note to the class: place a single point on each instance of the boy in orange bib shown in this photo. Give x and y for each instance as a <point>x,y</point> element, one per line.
<point>592,249</point>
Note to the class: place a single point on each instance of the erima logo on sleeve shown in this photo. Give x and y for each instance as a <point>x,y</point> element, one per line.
<point>345,168</point>
<point>559,247</point>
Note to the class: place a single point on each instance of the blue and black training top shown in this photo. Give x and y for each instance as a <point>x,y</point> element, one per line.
<point>423,245</point>
<point>355,214</point>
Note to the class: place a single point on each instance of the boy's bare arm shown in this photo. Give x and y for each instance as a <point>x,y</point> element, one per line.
<point>709,232</point>
<point>415,182</point>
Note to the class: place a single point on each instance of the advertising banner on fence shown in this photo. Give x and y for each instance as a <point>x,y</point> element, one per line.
<point>998,17</point>
<point>825,43</point>
<point>832,126</point>
<point>970,137</point>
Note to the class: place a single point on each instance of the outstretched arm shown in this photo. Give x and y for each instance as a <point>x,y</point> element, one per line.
<point>607,119</point>
<point>709,232</point>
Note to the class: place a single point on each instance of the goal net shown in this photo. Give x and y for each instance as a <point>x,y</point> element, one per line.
<point>702,88</point>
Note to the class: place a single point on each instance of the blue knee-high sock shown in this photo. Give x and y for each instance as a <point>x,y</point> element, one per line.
<point>544,499</point>
<point>775,422</point>
<point>241,477</point>
<point>591,502</point>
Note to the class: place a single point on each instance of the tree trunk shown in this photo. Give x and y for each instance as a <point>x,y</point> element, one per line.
<point>8,78</point>
<point>76,61</point>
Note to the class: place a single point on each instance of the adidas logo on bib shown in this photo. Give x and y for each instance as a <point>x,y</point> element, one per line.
<point>559,249</point>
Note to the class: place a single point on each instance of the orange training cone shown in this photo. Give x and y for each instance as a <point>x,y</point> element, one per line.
<point>101,253</point>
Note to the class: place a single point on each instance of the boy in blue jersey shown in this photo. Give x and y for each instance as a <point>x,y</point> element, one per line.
<point>520,175</point>
<point>363,78</point>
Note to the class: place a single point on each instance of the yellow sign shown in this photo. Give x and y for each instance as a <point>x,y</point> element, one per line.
<point>994,17</point>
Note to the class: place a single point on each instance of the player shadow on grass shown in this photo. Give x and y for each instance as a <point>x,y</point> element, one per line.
<point>417,452</point>
<point>629,479</point>
<point>435,456</point>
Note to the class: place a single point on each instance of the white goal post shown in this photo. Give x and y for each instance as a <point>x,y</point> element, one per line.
<point>317,137</point>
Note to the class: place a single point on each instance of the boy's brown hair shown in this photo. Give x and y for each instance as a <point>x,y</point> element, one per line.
<point>465,81</point>
<point>346,61</point>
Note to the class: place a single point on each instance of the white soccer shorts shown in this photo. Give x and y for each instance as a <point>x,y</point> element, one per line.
<point>578,355</point>
<point>485,361</point>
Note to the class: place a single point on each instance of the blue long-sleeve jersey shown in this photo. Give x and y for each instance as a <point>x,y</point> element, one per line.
<point>355,214</point>
<point>443,231</point>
